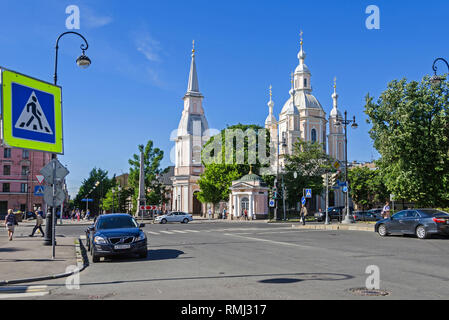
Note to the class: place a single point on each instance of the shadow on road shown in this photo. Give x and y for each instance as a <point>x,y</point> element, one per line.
<point>153,255</point>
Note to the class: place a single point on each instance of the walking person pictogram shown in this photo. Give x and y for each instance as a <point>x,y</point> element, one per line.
<point>33,118</point>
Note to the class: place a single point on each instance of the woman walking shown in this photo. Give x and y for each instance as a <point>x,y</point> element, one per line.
<point>10,223</point>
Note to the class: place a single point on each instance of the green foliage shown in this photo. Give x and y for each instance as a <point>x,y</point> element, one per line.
<point>218,176</point>
<point>116,200</point>
<point>152,158</point>
<point>410,129</point>
<point>310,162</point>
<point>88,189</point>
<point>366,187</point>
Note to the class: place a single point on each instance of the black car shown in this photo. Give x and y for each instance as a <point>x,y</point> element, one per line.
<point>116,234</point>
<point>421,222</point>
<point>366,216</point>
<point>335,213</point>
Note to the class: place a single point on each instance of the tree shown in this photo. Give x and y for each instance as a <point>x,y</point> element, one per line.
<point>154,189</point>
<point>367,187</point>
<point>310,162</point>
<point>232,161</point>
<point>410,129</point>
<point>96,192</point>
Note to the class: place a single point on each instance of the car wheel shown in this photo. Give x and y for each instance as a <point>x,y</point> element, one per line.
<point>382,230</point>
<point>143,254</point>
<point>164,221</point>
<point>185,220</point>
<point>95,258</point>
<point>421,232</point>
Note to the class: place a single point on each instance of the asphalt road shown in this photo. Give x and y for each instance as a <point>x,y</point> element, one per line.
<point>252,261</point>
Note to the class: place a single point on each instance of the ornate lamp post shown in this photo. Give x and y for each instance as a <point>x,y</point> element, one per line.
<point>354,125</point>
<point>437,79</point>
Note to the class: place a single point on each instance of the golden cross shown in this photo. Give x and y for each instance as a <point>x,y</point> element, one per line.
<point>300,35</point>
<point>193,46</point>
<point>271,93</point>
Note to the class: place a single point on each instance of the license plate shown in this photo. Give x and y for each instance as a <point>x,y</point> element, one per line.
<point>122,246</point>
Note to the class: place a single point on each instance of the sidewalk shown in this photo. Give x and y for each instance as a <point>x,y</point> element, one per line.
<point>360,226</point>
<point>26,257</point>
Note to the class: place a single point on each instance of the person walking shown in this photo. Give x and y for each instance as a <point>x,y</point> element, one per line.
<point>224,214</point>
<point>386,210</point>
<point>10,223</point>
<point>39,221</point>
<point>303,214</point>
<point>246,214</point>
<point>210,213</point>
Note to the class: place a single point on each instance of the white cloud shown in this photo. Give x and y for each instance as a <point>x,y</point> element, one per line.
<point>149,47</point>
<point>93,20</point>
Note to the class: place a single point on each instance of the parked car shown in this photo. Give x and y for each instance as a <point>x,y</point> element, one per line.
<point>174,217</point>
<point>114,234</point>
<point>421,222</point>
<point>366,216</point>
<point>335,213</point>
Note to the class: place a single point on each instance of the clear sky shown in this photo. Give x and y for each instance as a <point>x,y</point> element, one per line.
<point>140,52</point>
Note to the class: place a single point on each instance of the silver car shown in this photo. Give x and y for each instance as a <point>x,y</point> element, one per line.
<point>174,217</point>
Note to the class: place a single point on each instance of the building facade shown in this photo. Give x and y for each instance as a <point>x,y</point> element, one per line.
<point>18,171</point>
<point>192,134</point>
<point>303,116</point>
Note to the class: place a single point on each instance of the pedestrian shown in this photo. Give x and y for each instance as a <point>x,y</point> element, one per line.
<point>87,215</point>
<point>210,213</point>
<point>10,223</point>
<point>78,215</point>
<point>303,214</point>
<point>246,214</point>
<point>39,221</point>
<point>386,210</point>
<point>224,213</point>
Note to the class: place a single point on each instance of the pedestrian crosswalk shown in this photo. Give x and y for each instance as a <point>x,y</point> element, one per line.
<point>223,230</point>
<point>21,292</point>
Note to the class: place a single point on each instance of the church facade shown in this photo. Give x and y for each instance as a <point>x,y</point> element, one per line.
<point>302,116</point>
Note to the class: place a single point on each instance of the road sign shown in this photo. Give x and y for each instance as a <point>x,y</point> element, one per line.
<point>55,201</point>
<point>40,178</point>
<point>309,193</point>
<point>47,171</point>
<point>345,189</point>
<point>32,113</point>
<point>87,200</point>
<point>336,164</point>
<point>272,203</point>
<point>39,191</point>
<point>303,201</point>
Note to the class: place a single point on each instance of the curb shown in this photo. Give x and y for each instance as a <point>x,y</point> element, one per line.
<point>334,227</point>
<point>81,261</point>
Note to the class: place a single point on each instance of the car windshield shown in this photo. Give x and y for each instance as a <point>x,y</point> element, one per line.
<point>434,212</point>
<point>117,222</point>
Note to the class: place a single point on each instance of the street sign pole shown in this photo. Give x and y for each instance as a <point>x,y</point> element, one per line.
<point>327,198</point>
<point>54,211</point>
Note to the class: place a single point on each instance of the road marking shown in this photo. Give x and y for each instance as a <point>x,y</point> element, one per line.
<point>23,292</point>
<point>167,232</point>
<point>150,232</point>
<point>179,231</point>
<point>191,230</point>
<point>270,241</point>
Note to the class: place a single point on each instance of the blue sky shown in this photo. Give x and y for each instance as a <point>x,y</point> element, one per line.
<point>140,52</point>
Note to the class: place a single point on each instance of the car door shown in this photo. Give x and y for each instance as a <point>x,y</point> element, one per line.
<point>178,216</point>
<point>171,217</point>
<point>394,225</point>
<point>409,221</point>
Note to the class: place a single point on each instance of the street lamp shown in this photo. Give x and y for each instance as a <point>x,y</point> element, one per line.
<point>354,125</point>
<point>83,61</point>
<point>437,79</point>
<point>283,143</point>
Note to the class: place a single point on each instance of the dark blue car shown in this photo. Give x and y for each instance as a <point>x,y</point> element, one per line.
<point>116,234</point>
<point>421,222</point>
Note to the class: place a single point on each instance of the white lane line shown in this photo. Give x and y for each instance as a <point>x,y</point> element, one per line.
<point>151,232</point>
<point>270,241</point>
<point>22,295</point>
<point>167,232</point>
<point>188,230</point>
<point>179,231</point>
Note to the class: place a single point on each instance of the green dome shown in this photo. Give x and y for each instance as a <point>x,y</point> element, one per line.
<point>251,177</point>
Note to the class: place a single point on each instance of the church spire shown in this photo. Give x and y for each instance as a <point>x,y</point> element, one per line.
<point>193,86</point>
<point>335,112</point>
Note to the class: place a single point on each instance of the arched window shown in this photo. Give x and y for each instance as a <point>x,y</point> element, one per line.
<point>305,82</point>
<point>313,135</point>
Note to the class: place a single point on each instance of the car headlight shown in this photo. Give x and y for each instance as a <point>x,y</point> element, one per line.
<point>100,240</point>
<point>141,236</point>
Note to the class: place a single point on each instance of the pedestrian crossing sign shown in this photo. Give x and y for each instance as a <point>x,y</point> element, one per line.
<point>31,113</point>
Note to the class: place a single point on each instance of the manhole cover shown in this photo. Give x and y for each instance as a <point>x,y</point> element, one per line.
<point>368,292</point>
